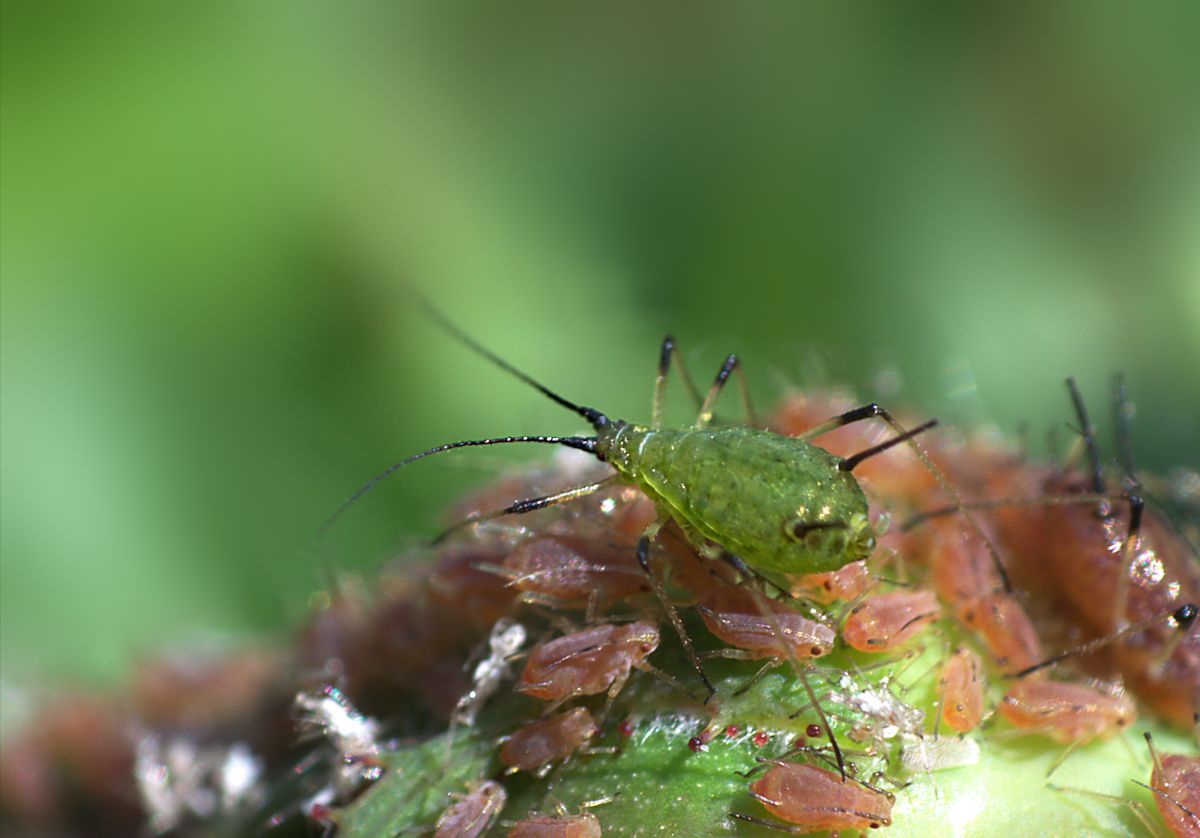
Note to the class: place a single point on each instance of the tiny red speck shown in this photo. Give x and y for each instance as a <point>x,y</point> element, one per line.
<point>799,742</point>
<point>318,812</point>
<point>625,728</point>
<point>731,731</point>
<point>813,731</point>
<point>694,744</point>
<point>760,738</point>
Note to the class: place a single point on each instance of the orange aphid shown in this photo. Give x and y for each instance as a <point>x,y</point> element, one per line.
<point>1093,552</point>
<point>962,691</point>
<point>882,622</point>
<point>584,825</point>
<point>544,741</point>
<point>587,662</point>
<point>574,570</point>
<point>1066,712</point>
<point>815,799</point>
<point>843,584</point>
<point>1005,629</point>
<point>733,616</point>
<point>1175,782</point>
<point>473,814</point>
<point>960,565</point>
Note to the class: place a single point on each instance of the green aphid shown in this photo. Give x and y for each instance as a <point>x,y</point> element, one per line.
<point>775,504</point>
<point>765,503</point>
<point>780,504</point>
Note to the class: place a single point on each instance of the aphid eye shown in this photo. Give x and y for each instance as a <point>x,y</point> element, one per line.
<point>810,531</point>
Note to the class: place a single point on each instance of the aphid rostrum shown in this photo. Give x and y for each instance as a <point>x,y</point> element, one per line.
<point>768,504</point>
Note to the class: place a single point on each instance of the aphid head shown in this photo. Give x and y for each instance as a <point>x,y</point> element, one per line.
<point>831,544</point>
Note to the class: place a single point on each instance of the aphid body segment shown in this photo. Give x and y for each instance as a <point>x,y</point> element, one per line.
<point>587,662</point>
<point>815,799</point>
<point>881,623</point>
<point>545,741</point>
<point>732,615</point>
<point>1065,712</point>
<point>471,816</point>
<point>584,825</point>
<point>781,504</point>
<point>1005,629</point>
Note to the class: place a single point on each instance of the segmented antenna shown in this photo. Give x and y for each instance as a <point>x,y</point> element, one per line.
<point>594,417</point>
<point>587,444</point>
<point>850,463</point>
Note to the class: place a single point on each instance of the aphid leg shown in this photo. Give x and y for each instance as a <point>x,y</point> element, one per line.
<point>769,615</point>
<point>643,557</point>
<point>1138,809</point>
<point>706,410</point>
<point>776,825</point>
<point>1121,409</point>
<point>744,655</point>
<point>669,349</point>
<point>1062,757</point>
<point>1180,619</point>
<point>521,507</point>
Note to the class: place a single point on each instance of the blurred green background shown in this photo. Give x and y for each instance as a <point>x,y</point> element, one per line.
<point>214,217</point>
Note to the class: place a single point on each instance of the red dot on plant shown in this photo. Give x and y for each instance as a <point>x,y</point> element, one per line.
<point>694,744</point>
<point>760,738</point>
<point>625,728</point>
<point>731,731</point>
<point>813,731</point>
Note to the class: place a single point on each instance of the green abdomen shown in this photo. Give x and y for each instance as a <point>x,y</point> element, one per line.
<point>745,489</point>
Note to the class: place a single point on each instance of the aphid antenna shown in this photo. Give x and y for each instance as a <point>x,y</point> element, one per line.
<point>1182,618</point>
<point>594,417</point>
<point>587,444</point>
<point>853,461</point>
<point>1003,503</point>
<point>875,410</point>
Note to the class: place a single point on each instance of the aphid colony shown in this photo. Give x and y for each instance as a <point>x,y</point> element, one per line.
<point>780,557</point>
